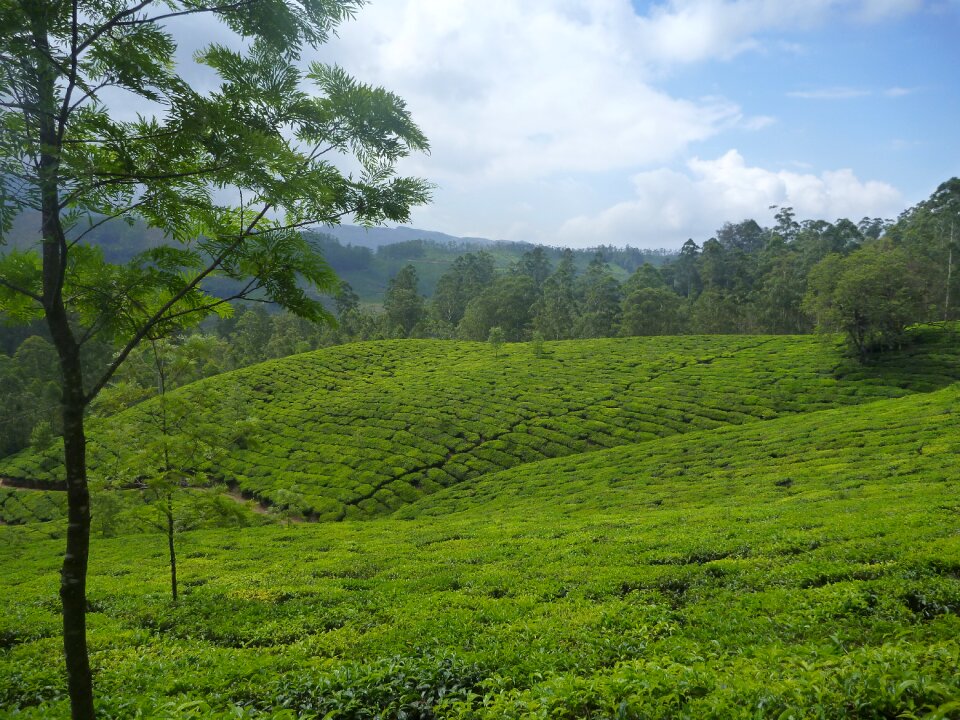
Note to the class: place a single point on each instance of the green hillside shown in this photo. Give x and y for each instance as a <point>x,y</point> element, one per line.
<point>805,567</point>
<point>361,430</point>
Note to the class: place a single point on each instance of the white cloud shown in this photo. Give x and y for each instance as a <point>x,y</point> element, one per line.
<point>686,31</point>
<point>511,91</point>
<point>878,10</point>
<point>516,97</point>
<point>672,206</point>
<point>836,93</point>
<point>898,92</point>
<point>848,93</point>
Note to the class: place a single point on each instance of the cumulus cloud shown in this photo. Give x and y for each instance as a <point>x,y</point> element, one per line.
<point>517,97</point>
<point>671,206</point>
<point>685,31</point>
<point>509,91</point>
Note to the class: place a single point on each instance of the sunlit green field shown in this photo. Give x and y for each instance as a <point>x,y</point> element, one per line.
<point>807,566</point>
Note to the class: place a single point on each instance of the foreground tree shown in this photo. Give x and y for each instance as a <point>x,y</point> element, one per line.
<point>261,138</point>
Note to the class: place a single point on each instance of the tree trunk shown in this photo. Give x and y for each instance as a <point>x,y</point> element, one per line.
<point>946,302</point>
<point>173,552</point>
<point>73,576</point>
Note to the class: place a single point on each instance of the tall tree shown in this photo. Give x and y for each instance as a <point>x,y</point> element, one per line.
<point>403,304</point>
<point>507,303</point>
<point>649,306</point>
<point>600,290</point>
<point>652,311</point>
<point>747,236</point>
<point>469,275</point>
<point>931,234</point>
<point>261,137</point>
<point>686,276</point>
<point>555,313</point>
<point>535,265</point>
<point>252,330</point>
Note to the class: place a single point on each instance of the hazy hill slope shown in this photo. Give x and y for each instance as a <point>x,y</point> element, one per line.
<point>361,430</point>
<point>670,579</point>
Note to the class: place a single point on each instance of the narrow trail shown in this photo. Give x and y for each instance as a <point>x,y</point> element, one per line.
<point>30,484</point>
<point>259,506</point>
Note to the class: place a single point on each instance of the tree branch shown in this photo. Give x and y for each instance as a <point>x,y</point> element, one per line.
<point>65,108</point>
<point>135,179</point>
<point>181,13</point>
<point>21,291</point>
<point>158,316</point>
<point>108,218</point>
<point>109,25</point>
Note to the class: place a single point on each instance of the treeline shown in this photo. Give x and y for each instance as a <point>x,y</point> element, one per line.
<point>369,271</point>
<point>868,280</point>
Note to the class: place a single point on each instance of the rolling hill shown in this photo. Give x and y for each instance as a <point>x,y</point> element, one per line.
<point>358,431</point>
<point>807,566</point>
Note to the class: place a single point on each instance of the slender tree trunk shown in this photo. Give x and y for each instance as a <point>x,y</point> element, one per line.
<point>167,466</point>
<point>946,302</point>
<point>73,579</point>
<point>173,552</point>
<point>73,576</point>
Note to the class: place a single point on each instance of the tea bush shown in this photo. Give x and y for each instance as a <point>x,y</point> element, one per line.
<point>804,567</point>
<point>361,430</point>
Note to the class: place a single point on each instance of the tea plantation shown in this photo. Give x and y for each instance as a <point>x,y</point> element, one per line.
<point>361,430</point>
<point>792,550</point>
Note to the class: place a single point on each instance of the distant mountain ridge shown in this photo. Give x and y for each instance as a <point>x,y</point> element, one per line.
<point>366,258</point>
<point>377,237</point>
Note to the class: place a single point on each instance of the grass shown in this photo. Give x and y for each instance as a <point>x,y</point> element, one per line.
<point>803,567</point>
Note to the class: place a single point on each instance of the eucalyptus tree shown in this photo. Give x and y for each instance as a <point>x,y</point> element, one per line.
<point>931,233</point>
<point>228,177</point>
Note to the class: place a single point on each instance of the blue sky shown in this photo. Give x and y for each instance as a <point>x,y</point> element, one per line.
<point>580,122</point>
<point>881,97</point>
